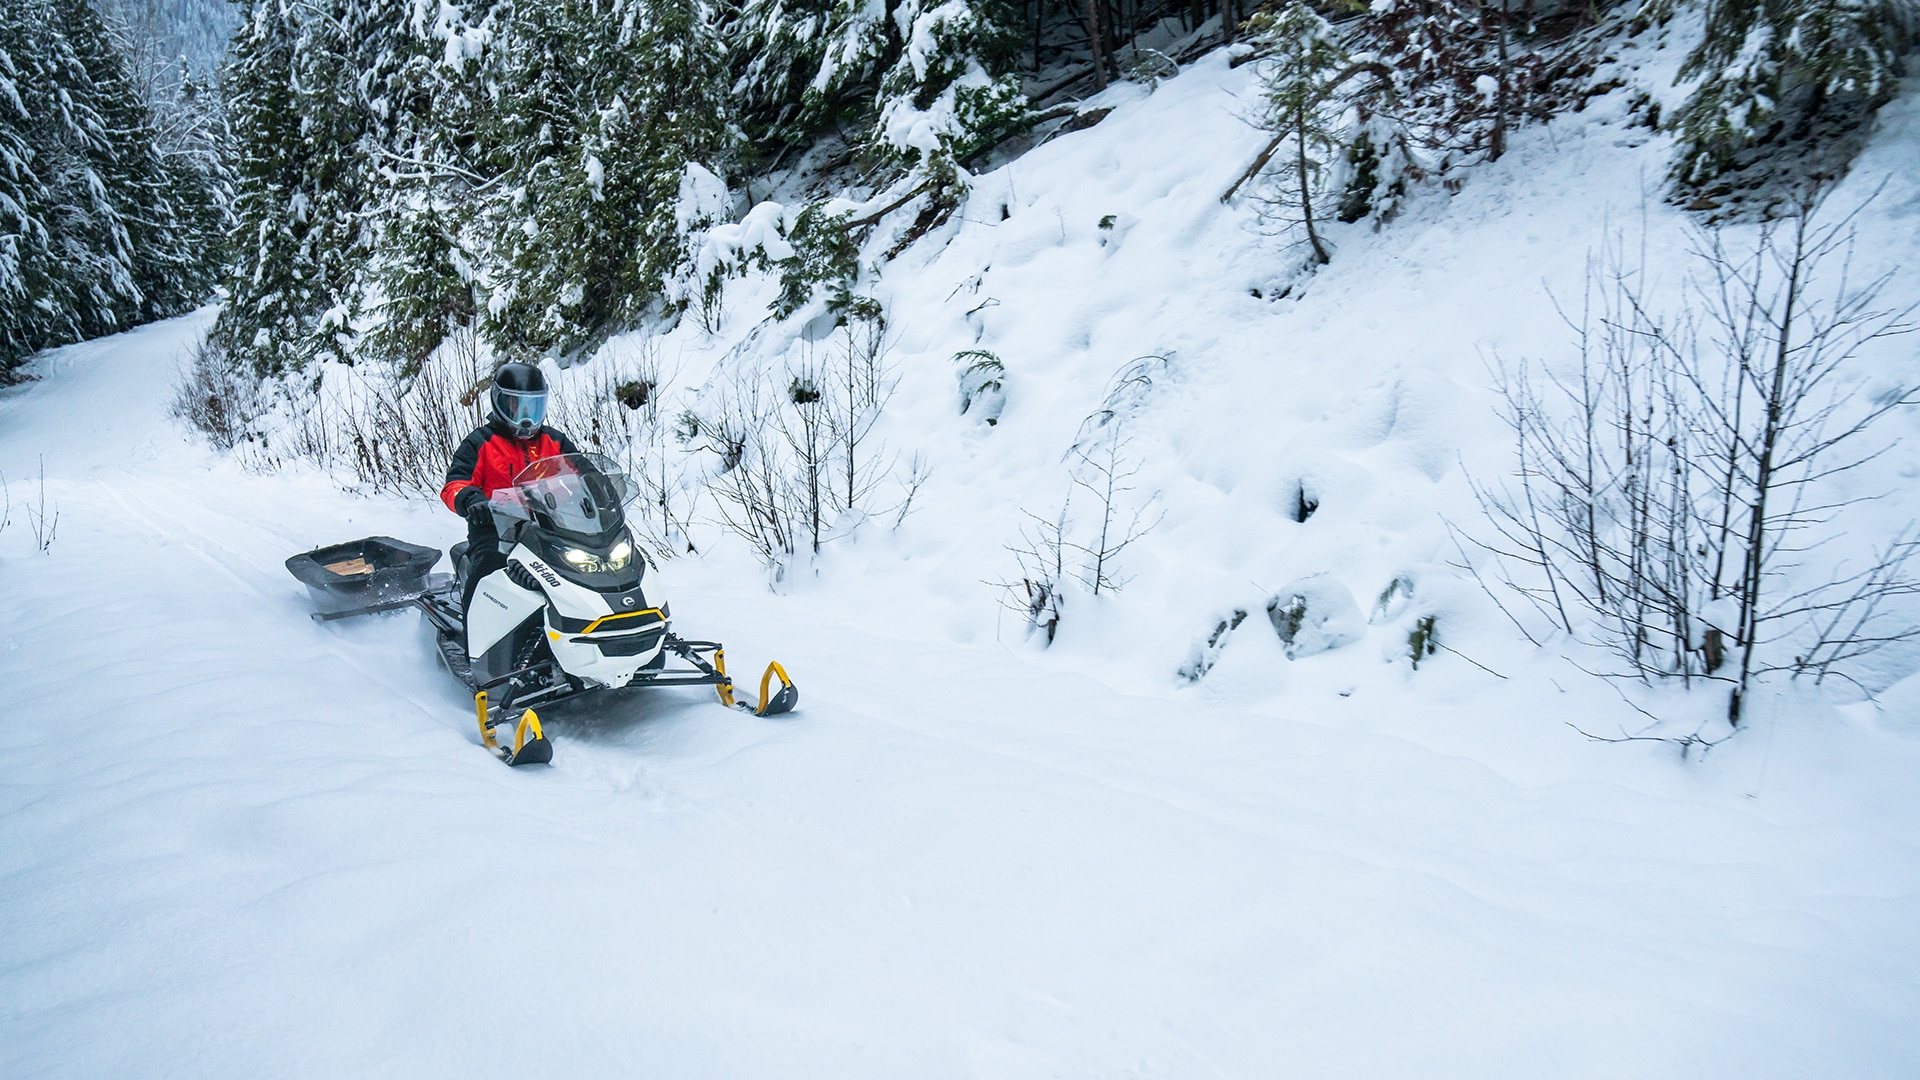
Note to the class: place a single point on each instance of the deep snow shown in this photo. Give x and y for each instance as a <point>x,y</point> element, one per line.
<point>235,843</point>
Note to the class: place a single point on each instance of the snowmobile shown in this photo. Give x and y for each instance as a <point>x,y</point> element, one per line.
<point>566,614</point>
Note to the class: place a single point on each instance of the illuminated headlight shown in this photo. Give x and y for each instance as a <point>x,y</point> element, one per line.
<point>588,563</point>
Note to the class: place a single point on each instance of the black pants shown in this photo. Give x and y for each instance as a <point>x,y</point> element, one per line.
<point>482,558</point>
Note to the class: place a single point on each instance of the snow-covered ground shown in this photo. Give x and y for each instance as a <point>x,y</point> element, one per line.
<point>235,843</point>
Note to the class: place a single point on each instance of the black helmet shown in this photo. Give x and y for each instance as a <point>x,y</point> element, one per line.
<point>519,399</point>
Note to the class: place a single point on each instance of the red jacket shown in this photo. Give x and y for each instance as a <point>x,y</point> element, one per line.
<point>488,461</point>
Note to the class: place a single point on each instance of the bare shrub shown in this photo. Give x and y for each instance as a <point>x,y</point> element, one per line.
<point>218,396</point>
<point>618,408</point>
<point>753,489</point>
<point>1041,555</point>
<point>799,463</point>
<point>1679,500</point>
<point>857,384</point>
<point>918,473</point>
<point>1057,551</point>
<point>398,434</point>
<point>42,523</point>
<point>806,426</point>
<point>1103,467</point>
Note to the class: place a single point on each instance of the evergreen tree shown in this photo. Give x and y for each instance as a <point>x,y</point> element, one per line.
<point>26,279</point>
<point>1375,169</point>
<point>601,107</point>
<point>1300,81</point>
<point>269,296</point>
<point>301,173</point>
<point>96,231</point>
<point>1779,72</point>
<point>164,208</point>
<point>400,172</point>
<point>76,156</point>
<point>427,195</point>
<point>786,88</point>
<point>951,91</point>
<point>910,76</point>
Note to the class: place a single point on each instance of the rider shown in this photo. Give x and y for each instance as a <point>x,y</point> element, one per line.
<point>489,459</point>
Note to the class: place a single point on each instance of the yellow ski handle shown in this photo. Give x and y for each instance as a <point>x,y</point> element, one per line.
<point>725,685</point>
<point>768,705</point>
<point>528,719</point>
<point>766,680</point>
<point>529,722</point>
<point>527,736</point>
<point>486,730</point>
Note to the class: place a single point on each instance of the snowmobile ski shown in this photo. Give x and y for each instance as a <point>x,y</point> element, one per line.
<point>530,745</point>
<point>782,701</point>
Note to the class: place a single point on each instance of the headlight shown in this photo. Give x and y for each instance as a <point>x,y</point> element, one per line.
<point>583,561</point>
<point>588,563</point>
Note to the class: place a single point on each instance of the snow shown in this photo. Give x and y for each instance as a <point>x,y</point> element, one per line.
<point>234,842</point>
<point>759,232</point>
<point>1314,615</point>
<point>596,178</point>
<point>703,198</point>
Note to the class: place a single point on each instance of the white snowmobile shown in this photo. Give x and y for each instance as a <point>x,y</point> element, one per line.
<point>566,614</point>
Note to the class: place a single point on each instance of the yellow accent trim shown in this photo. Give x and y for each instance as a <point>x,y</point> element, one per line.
<point>725,685</point>
<point>528,719</point>
<point>551,636</point>
<point>486,729</point>
<point>604,619</point>
<point>766,679</point>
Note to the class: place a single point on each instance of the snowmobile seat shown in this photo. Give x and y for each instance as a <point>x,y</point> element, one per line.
<point>361,572</point>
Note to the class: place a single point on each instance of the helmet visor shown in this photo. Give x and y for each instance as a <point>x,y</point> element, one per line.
<point>524,409</point>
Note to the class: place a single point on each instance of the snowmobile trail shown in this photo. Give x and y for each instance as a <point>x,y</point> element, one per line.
<point>236,843</point>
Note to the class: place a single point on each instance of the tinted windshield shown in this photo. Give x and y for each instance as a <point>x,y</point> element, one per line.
<point>577,493</point>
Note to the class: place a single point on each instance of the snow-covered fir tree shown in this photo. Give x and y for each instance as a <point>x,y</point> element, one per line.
<point>165,203</point>
<point>401,170</point>
<point>99,231</point>
<point>949,92</point>
<point>1775,73</point>
<point>426,166</point>
<point>909,77</point>
<point>264,321</point>
<point>301,159</point>
<point>1300,81</point>
<point>801,65</point>
<point>26,272</point>
<point>599,109</point>
<point>175,34</point>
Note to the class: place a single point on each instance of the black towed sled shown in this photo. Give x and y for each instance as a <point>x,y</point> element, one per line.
<point>561,611</point>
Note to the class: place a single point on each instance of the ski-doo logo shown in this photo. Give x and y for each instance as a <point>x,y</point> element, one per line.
<point>545,572</point>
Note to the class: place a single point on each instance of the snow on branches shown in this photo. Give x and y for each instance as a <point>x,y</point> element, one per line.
<point>1785,86</point>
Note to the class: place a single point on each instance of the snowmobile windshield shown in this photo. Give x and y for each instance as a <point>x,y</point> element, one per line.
<point>574,493</point>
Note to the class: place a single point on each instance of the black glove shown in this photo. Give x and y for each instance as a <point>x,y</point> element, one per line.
<point>475,509</point>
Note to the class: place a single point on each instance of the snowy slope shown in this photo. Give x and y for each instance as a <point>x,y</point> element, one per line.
<point>234,843</point>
